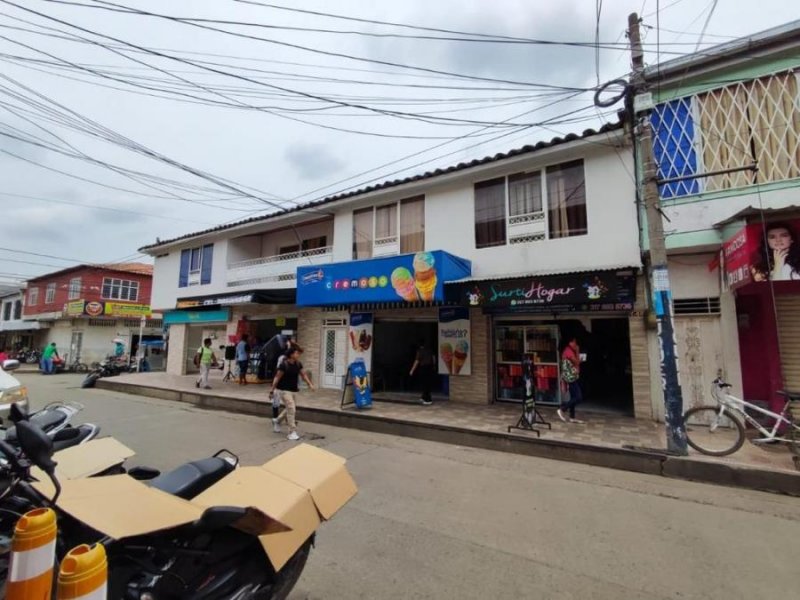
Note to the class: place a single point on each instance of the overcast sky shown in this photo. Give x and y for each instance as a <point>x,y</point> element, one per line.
<point>263,118</point>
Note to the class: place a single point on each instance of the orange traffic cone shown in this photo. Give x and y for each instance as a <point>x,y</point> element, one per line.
<point>33,552</point>
<point>83,574</point>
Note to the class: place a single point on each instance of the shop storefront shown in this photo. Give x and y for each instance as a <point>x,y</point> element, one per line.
<point>761,264</point>
<point>381,311</point>
<point>535,317</point>
<point>261,314</point>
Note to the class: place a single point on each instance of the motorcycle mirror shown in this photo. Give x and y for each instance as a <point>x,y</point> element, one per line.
<point>10,365</point>
<point>36,446</point>
<point>16,414</point>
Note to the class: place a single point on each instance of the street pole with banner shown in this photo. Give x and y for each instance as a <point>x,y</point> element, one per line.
<point>140,348</point>
<point>659,273</point>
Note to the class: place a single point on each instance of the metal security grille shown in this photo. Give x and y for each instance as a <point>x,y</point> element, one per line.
<point>330,350</point>
<point>729,127</point>
<point>696,306</point>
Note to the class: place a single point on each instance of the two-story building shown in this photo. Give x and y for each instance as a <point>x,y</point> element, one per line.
<point>486,262</point>
<point>84,308</point>
<point>15,333</point>
<point>727,141</point>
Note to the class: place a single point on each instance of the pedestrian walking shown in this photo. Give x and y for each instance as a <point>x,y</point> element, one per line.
<point>205,359</point>
<point>50,351</point>
<point>243,358</point>
<point>285,386</point>
<point>424,367</point>
<point>571,393</point>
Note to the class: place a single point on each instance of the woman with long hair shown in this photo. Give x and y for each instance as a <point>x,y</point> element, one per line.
<point>778,257</point>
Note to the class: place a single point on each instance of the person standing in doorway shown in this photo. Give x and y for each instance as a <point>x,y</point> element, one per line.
<point>424,366</point>
<point>285,382</point>
<point>243,358</point>
<point>47,358</point>
<point>204,359</point>
<point>571,393</point>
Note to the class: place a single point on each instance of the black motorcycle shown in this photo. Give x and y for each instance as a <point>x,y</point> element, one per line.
<point>204,560</point>
<point>108,368</point>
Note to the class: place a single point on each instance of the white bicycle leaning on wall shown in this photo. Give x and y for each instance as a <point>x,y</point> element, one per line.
<point>719,430</point>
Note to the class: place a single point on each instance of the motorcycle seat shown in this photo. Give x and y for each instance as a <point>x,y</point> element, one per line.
<point>46,420</point>
<point>192,478</point>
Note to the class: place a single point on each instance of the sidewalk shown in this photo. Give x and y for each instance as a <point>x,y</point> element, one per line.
<point>600,441</point>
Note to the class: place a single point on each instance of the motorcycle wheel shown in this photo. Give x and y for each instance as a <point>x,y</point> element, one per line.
<point>31,360</point>
<point>90,380</point>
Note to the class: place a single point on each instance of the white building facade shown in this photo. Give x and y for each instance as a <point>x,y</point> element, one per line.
<point>546,244</point>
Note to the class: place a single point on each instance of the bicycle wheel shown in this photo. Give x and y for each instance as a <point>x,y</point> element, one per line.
<point>81,368</point>
<point>712,434</point>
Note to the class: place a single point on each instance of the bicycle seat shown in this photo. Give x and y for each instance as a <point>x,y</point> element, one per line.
<point>789,395</point>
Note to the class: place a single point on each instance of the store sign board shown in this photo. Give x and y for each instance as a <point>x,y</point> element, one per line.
<point>455,352</point>
<point>94,309</point>
<point>416,277</point>
<point>216,301</point>
<point>117,309</point>
<point>188,316</point>
<point>763,252</point>
<point>74,308</point>
<point>596,291</point>
<point>359,343</point>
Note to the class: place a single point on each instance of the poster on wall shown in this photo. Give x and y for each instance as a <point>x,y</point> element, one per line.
<point>359,341</point>
<point>763,252</point>
<point>454,341</point>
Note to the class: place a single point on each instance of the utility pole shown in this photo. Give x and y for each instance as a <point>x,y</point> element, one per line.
<point>659,275</point>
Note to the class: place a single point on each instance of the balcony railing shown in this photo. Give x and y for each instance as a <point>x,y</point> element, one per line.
<point>279,269</point>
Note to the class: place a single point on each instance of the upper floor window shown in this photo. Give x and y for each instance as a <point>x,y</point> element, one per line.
<point>7,306</point>
<point>315,243</point>
<point>33,296</point>
<point>50,293</point>
<point>75,288</point>
<point>530,206</point>
<point>393,228</point>
<point>195,266</point>
<point>120,289</point>
<point>747,122</point>
<point>18,310</point>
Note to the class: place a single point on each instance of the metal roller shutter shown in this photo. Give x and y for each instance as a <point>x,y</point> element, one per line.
<point>789,333</point>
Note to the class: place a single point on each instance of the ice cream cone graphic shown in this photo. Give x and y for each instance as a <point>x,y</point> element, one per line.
<point>403,284</point>
<point>446,352</point>
<point>425,275</point>
<point>460,356</point>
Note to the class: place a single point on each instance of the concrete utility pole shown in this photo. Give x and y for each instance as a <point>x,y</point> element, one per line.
<point>659,275</point>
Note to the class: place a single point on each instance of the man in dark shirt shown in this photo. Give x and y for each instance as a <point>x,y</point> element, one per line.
<point>286,379</point>
<point>424,365</point>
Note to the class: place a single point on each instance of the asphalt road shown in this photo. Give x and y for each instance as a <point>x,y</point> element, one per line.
<point>441,521</point>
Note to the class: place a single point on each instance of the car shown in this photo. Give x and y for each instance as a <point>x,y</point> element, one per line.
<point>11,390</point>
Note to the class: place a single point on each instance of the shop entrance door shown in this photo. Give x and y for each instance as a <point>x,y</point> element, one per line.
<point>334,356</point>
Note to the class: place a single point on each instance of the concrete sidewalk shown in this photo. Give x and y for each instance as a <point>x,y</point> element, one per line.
<point>604,440</point>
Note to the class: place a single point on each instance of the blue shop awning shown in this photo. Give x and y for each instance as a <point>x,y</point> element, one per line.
<point>410,278</point>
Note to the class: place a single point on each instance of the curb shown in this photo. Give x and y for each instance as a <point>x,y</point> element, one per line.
<point>638,461</point>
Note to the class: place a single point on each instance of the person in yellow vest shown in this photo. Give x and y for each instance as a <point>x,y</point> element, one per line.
<point>204,359</point>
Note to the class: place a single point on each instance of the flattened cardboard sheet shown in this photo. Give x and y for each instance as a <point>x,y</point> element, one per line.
<point>320,472</point>
<point>287,502</point>
<point>120,506</point>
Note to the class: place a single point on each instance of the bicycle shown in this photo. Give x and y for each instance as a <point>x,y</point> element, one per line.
<point>76,366</point>
<point>719,430</point>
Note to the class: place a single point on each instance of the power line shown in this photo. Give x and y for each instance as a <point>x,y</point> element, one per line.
<point>705,25</point>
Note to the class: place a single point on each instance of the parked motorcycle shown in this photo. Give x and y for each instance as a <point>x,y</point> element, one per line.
<point>205,560</point>
<point>30,357</point>
<point>108,368</point>
<point>55,420</point>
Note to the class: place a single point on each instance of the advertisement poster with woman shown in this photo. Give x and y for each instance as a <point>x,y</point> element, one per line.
<point>454,342</point>
<point>763,252</point>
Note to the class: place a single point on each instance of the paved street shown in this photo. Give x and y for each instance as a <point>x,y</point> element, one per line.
<point>439,521</point>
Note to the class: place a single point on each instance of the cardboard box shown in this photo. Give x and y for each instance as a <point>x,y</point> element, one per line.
<point>288,498</point>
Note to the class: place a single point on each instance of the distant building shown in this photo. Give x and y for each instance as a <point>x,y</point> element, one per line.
<point>83,309</point>
<point>15,334</point>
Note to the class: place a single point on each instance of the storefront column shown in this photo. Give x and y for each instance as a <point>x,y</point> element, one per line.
<point>475,388</point>
<point>309,336</point>
<point>729,329</point>
<point>176,350</point>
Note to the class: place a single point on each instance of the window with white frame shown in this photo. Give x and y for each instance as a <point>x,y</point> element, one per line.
<point>74,288</point>
<point>393,228</point>
<point>50,293</point>
<point>531,206</point>
<point>33,296</point>
<point>120,289</point>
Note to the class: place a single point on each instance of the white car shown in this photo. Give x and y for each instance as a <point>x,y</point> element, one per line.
<point>11,390</point>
